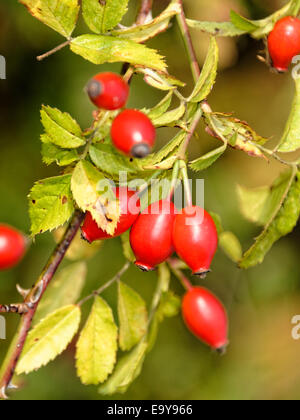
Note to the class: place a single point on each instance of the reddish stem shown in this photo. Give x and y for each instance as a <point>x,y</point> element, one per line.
<point>32,301</point>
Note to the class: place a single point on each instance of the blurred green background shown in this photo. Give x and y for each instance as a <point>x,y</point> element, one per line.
<point>262,360</point>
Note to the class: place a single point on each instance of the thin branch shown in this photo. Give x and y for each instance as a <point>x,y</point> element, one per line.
<point>194,125</point>
<point>14,308</point>
<point>32,302</point>
<point>179,274</point>
<point>188,43</point>
<point>145,12</point>
<point>105,286</point>
<point>54,50</point>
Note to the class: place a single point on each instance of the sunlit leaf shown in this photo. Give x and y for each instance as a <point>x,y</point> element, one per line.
<point>142,33</point>
<point>108,49</point>
<point>208,75</point>
<point>60,15</point>
<point>207,160</point>
<point>93,192</point>
<point>50,203</point>
<point>49,338</point>
<point>62,130</point>
<point>97,345</point>
<point>102,16</point>
<point>108,160</point>
<point>170,117</point>
<point>54,154</point>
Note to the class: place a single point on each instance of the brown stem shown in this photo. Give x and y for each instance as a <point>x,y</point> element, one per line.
<point>188,43</point>
<point>54,50</point>
<point>145,11</point>
<point>194,125</point>
<point>14,308</point>
<point>32,301</point>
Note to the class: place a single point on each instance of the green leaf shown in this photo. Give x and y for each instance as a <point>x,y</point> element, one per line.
<point>65,289</point>
<point>93,192</point>
<point>127,250</point>
<point>108,49</point>
<point>49,339</point>
<point>97,345</point>
<point>216,28</point>
<point>282,223</point>
<point>169,149</point>
<point>258,205</point>
<point>290,141</point>
<point>50,204</point>
<point>161,107</point>
<point>238,134</point>
<point>62,129</point>
<point>242,23</point>
<point>127,370</point>
<point>170,118</point>
<point>52,153</point>
<point>133,318</point>
<point>102,16</point>
<point>142,33</point>
<point>207,160</point>
<point>60,15</point>
<point>208,75</point>
<point>105,157</point>
<point>231,246</point>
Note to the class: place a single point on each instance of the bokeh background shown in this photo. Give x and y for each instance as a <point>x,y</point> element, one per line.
<point>262,360</point>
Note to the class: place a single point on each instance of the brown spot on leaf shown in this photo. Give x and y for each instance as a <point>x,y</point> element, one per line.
<point>64,200</point>
<point>33,201</point>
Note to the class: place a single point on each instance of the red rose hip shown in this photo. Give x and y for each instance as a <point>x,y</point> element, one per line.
<point>284,42</point>
<point>108,91</point>
<point>130,209</point>
<point>151,235</point>
<point>12,247</point>
<point>206,317</point>
<point>133,133</point>
<point>195,239</point>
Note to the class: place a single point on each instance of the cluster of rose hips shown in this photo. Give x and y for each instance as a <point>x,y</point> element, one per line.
<point>284,42</point>
<point>160,230</point>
